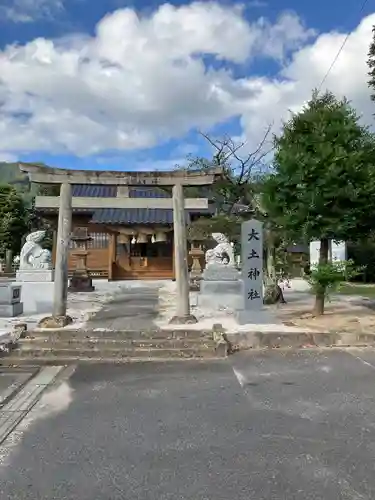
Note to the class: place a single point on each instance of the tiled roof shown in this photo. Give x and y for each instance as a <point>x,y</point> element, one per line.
<point>104,191</point>
<point>133,216</point>
<point>94,191</point>
<point>128,215</point>
<point>148,192</point>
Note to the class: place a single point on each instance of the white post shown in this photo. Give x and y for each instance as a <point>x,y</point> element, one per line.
<point>60,293</point>
<point>183,315</point>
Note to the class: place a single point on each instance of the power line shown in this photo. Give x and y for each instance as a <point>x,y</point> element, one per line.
<point>340,50</point>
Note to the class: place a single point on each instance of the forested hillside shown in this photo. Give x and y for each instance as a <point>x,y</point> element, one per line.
<point>11,174</point>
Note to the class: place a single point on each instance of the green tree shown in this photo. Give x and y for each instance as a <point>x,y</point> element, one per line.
<point>323,184</point>
<point>13,219</point>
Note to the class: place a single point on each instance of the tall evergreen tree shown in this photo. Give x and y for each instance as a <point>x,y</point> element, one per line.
<point>323,186</point>
<point>13,220</point>
<point>371,65</point>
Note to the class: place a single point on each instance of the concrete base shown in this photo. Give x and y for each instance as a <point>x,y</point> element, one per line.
<point>37,297</point>
<point>219,287</point>
<point>254,339</point>
<point>216,272</point>
<point>11,310</point>
<point>183,320</point>
<point>36,275</point>
<point>219,295</point>
<point>80,283</point>
<point>220,302</point>
<point>256,317</point>
<point>55,322</point>
<point>10,293</point>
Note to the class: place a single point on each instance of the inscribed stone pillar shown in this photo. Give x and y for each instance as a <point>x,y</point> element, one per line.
<point>252,274</point>
<point>252,264</point>
<point>183,315</point>
<point>62,251</point>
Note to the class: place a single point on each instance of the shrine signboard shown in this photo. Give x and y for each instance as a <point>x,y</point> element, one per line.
<point>252,264</point>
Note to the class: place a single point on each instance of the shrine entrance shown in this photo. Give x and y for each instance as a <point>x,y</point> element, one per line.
<point>143,256</point>
<point>115,205</point>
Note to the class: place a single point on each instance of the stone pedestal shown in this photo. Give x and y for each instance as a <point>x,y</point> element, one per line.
<point>37,275</point>
<point>220,288</point>
<point>217,272</point>
<point>80,282</point>
<point>10,300</point>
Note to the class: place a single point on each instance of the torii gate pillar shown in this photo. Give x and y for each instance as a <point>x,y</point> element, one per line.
<point>183,315</point>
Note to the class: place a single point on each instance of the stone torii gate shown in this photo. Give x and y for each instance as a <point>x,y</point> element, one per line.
<point>41,174</point>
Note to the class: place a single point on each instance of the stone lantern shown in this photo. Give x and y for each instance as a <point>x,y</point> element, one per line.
<point>196,254</point>
<point>196,236</point>
<point>80,281</point>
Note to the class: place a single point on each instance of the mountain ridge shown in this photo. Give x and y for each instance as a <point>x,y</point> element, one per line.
<point>11,174</point>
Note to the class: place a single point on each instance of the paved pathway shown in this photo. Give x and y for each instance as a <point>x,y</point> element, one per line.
<point>267,426</point>
<point>133,308</point>
<point>11,379</point>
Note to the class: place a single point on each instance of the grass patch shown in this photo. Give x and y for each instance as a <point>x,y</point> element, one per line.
<point>357,289</point>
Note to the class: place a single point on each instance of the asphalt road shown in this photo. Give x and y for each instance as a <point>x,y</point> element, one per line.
<point>258,426</point>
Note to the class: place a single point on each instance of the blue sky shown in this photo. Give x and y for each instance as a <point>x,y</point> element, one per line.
<point>131,91</point>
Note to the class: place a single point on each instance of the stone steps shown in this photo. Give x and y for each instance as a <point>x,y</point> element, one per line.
<point>72,346</point>
<point>154,334</point>
<point>98,343</point>
<point>22,361</point>
<point>63,356</point>
<point>108,353</point>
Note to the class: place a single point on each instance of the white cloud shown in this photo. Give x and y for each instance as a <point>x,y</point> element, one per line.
<point>286,34</point>
<point>256,4</point>
<point>272,99</point>
<point>26,11</point>
<point>142,79</point>
<point>7,157</point>
<point>139,165</point>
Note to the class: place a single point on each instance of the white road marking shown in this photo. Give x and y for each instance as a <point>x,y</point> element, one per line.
<point>242,380</point>
<point>362,361</point>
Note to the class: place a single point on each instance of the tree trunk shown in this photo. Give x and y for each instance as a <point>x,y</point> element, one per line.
<point>273,293</point>
<point>270,265</point>
<point>320,295</point>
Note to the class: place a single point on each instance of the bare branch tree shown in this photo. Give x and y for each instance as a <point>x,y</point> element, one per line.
<point>228,150</point>
<point>239,170</point>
